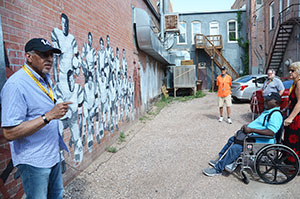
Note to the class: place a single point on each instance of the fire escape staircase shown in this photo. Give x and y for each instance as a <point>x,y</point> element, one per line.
<point>210,44</point>
<point>288,19</point>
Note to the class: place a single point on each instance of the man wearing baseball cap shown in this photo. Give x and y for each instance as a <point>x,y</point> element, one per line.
<point>224,82</point>
<point>268,123</point>
<point>30,121</point>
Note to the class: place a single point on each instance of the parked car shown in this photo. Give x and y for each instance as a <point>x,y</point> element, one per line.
<point>243,87</point>
<point>257,105</point>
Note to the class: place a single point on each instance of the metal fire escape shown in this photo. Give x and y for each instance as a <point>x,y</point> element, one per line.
<point>288,19</point>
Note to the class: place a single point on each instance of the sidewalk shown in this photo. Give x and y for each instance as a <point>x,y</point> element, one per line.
<point>164,158</point>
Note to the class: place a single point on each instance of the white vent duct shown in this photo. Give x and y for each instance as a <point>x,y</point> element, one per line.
<point>147,40</point>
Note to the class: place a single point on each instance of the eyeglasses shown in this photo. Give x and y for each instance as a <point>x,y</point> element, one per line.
<point>291,70</point>
<point>44,55</point>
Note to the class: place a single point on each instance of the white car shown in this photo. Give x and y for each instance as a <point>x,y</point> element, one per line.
<point>243,87</point>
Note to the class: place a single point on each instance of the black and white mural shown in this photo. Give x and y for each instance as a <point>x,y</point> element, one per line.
<point>103,101</point>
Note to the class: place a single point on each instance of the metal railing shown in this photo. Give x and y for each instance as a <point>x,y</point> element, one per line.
<point>217,56</point>
<point>287,15</point>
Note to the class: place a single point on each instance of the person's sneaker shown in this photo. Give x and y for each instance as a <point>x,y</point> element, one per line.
<point>231,167</point>
<point>220,119</point>
<point>229,121</point>
<point>211,172</point>
<point>213,163</point>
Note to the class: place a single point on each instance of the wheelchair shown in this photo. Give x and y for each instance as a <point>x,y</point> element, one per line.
<point>272,163</point>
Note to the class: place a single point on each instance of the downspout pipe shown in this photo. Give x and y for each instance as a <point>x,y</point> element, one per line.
<point>152,9</point>
<point>161,12</point>
<point>250,36</point>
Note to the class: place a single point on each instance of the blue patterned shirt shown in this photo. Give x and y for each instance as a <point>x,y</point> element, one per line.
<point>23,100</point>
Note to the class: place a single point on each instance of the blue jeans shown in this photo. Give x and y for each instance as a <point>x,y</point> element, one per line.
<point>41,183</point>
<point>234,151</point>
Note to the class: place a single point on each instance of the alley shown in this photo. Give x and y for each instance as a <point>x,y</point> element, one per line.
<point>164,158</point>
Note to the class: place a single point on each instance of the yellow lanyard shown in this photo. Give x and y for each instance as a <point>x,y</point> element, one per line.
<point>268,82</point>
<point>39,84</point>
<point>293,85</point>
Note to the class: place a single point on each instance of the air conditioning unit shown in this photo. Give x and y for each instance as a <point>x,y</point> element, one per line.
<point>171,22</point>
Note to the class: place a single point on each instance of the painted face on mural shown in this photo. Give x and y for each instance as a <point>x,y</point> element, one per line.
<point>90,39</point>
<point>90,81</point>
<point>112,55</point>
<point>117,52</point>
<point>101,43</point>
<point>71,80</point>
<point>65,25</point>
<point>107,41</point>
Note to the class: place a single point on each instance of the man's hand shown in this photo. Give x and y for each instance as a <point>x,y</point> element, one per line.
<point>246,129</point>
<point>58,111</point>
<point>28,128</point>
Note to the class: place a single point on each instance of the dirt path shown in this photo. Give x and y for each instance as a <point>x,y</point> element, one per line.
<point>164,158</point>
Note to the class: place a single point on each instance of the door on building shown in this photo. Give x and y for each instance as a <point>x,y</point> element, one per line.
<point>214,30</point>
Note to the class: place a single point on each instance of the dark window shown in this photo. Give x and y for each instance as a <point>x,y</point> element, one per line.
<point>244,79</point>
<point>261,80</point>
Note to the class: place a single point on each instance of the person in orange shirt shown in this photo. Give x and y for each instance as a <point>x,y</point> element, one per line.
<point>224,82</point>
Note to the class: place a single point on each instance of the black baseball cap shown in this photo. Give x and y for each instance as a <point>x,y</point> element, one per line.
<point>274,96</point>
<point>41,45</point>
<point>223,68</point>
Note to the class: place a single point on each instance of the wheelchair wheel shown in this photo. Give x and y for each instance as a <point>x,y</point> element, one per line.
<point>245,177</point>
<point>271,164</point>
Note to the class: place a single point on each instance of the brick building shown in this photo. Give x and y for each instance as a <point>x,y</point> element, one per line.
<point>217,39</point>
<point>273,34</point>
<point>127,31</point>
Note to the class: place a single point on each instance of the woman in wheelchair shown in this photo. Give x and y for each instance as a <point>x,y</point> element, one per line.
<point>232,150</point>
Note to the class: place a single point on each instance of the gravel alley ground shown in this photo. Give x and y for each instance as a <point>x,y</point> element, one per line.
<point>164,157</point>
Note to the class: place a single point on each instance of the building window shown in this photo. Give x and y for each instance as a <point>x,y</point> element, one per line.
<point>258,2</point>
<point>272,16</point>
<point>196,29</point>
<point>232,31</point>
<point>181,39</point>
<point>213,28</point>
<point>214,33</point>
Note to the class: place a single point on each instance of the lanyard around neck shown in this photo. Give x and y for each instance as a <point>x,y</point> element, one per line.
<point>293,85</point>
<point>223,78</point>
<point>50,94</point>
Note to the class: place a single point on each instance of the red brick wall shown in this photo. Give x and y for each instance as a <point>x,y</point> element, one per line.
<point>23,20</point>
<point>259,32</point>
<point>238,4</point>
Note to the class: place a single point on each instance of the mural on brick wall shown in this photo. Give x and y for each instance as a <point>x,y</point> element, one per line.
<point>104,101</point>
<point>65,66</point>
<point>101,102</point>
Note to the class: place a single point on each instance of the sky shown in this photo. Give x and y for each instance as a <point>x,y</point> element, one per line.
<point>201,5</point>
